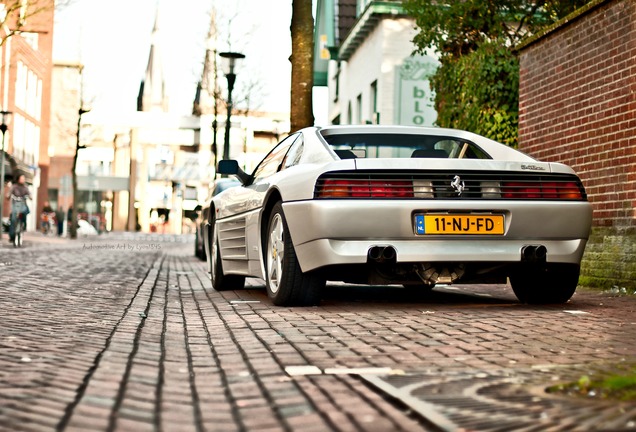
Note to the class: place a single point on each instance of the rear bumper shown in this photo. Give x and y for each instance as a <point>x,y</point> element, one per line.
<point>332,232</point>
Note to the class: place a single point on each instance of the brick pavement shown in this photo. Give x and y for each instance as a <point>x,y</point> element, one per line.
<point>122,333</point>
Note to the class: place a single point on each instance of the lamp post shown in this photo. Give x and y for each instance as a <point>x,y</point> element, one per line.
<point>230,64</point>
<point>5,116</point>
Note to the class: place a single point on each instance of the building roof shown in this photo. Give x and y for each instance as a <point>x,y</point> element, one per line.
<point>366,22</point>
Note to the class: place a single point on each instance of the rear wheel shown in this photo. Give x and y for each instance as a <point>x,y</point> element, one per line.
<point>286,283</point>
<point>554,283</point>
<point>17,240</point>
<point>221,281</point>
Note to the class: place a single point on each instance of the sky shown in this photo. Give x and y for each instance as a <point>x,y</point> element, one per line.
<point>112,39</point>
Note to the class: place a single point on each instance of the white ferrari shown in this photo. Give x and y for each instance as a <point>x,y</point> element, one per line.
<point>389,205</point>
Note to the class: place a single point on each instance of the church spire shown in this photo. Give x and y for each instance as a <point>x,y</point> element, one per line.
<point>152,92</point>
<point>207,92</point>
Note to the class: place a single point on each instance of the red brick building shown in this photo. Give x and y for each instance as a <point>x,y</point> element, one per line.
<point>25,90</point>
<point>577,105</point>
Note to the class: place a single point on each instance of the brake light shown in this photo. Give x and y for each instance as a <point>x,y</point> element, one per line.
<point>366,189</point>
<point>570,190</point>
<point>547,190</point>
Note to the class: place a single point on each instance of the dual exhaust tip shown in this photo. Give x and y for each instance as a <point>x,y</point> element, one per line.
<point>382,253</point>
<point>529,253</point>
<point>534,253</point>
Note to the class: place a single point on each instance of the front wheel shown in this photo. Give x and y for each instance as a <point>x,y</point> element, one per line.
<point>287,284</point>
<point>555,283</point>
<point>221,281</point>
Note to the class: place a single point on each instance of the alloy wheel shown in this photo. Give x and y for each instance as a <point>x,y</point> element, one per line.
<point>275,253</point>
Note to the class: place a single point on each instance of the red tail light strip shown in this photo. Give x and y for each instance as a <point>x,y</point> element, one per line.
<point>545,190</point>
<point>435,185</point>
<point>366,189</point>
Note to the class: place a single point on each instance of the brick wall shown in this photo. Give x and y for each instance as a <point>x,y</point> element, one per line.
<point>577,96</point>
<point>577,105</point>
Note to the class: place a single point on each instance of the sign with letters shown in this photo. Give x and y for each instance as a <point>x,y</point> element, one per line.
<point>414,97</point>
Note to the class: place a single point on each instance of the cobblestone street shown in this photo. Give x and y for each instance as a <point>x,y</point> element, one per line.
<point>124,333</point>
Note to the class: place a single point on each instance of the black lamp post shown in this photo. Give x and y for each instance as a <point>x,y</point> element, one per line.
<point>230,74</point>
<point>5,116</point>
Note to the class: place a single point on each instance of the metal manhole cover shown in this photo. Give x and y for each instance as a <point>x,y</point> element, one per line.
<point>503,400</point>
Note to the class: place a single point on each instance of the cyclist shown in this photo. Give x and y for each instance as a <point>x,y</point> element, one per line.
<point>18,193</point>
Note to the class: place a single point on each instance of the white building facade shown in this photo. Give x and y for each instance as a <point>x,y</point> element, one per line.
<point>369,68</point>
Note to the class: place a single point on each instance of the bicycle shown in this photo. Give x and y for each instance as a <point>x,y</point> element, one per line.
<point>20,226</point>
<point>18,219</point>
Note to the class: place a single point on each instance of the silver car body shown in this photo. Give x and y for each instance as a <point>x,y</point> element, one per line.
<point>336,232</point>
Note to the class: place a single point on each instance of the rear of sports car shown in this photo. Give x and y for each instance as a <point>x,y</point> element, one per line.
<point>419,223</point>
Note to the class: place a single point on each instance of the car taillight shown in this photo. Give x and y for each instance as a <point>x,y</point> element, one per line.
<point>335,189</point>
<point>366,189</point>
<point>547,190</point>
<point>570,190</point>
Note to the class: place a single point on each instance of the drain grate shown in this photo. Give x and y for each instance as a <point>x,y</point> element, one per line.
<point>503,400</point>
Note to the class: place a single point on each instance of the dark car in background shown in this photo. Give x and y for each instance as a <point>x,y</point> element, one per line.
<point>203,213</point>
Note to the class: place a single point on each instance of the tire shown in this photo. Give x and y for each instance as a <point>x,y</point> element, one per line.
<point>286,283</point>
<point>552,284</point>
<point>17,240</point>
<point>221,281</point>
<point>199,249</point>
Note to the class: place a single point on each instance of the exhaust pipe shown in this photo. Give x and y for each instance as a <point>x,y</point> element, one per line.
<point>388,254</point>
<point>381,254</point>
<point>534,253</point>
<point>540,253</point>
<point>375,253</point>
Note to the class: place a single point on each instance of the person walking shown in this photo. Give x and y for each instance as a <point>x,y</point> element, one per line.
<point>18,194</point>
<point>59,218</point>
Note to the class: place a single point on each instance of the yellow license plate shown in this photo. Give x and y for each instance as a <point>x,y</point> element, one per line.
<point>459,224</point>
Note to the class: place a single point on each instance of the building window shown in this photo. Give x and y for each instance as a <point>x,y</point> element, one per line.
<point>359,109</point>
<point>349,114</point>
<point>373,103</point>
<point>337,84</point>
<point>28,91</point>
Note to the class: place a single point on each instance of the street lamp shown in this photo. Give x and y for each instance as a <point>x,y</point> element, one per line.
<point>230,59</point>
<point>5,116</point>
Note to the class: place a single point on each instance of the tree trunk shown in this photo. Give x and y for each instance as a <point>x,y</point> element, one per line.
<point>72,223</point>
<point>302,60</point>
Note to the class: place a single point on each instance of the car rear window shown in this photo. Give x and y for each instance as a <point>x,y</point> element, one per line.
<point>353,146</point>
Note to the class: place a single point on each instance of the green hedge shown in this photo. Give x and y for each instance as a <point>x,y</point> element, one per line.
<point>479,92</point>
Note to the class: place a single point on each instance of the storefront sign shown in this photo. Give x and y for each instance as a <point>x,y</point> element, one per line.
<point>414,104</point>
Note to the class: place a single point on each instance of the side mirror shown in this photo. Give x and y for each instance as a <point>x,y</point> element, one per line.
<point>228,167</point>
<point>231,167</point>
